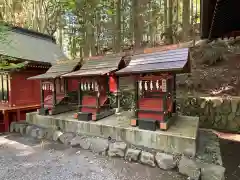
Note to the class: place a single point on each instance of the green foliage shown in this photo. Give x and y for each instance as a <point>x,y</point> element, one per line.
<point>127,100</point>
<point>7,63</point>
<point>3,33</point>
<point>101,25</point>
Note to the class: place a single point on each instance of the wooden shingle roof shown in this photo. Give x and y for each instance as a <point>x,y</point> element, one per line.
<point>98,66</point>
<point>58,69</point>
<point>164,61</point>
<point>31,46</point>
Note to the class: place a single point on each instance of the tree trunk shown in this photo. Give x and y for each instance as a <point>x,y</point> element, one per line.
<point>118,26</point>
<point>98,31</point>
<point>170,22</point>
<point>151,25</point>
<point>137,27</point>
<point>73,44</point>
<point>92,37</point>
<point>113,27</point>
<point>165,16</point>
<point>131,23</point>
<point>186,19</point>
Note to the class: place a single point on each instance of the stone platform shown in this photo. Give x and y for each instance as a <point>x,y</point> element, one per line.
<point>179,138</point>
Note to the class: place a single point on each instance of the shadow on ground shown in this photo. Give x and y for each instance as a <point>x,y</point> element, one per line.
<point>230,155</point>
<point>35,143</point>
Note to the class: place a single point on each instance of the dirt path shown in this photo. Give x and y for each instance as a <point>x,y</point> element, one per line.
<point>28,159</point>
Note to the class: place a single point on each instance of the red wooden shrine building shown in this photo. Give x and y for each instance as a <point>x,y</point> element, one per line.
<point>58,95</point>
<point>18,95</point>
<point>96,81</point>
<point>155,85</point>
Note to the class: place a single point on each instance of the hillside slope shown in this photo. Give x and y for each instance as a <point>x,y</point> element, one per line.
<point>215,69</point>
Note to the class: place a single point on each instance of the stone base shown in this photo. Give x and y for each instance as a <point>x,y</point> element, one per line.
<point>134,122</point>
<point>194,168</point>
<point>61,109</point>
<point>43,111</point>
<point>85,116</point>
<point>56,110</point>
<point>165,125</point>
<point>147,124</point>
<point>82,116</point>
<point>180,137</point>
<point>105,114</point>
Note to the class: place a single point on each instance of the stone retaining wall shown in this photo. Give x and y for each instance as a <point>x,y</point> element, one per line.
<point>213,112</point>
<point>190,167</point>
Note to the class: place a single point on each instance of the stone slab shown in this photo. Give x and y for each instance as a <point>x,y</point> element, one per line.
<point>117,149</point>
<point>211,171</point>
<point>165,161</point>
<point>189,168</point>
<point>98,145</point>
<point>179,138</point>
<point>147,158</point>
<point>132,154</point>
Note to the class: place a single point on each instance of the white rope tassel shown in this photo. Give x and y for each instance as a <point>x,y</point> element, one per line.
<point>53,88</point>
<point>157,84</point>
<point>89,86</point>
<point>82,86</point>
<point>146,87</point>
<point>85,86</point>
<point>92,86</point>
<point>151,85</point>
<point>96,86</point>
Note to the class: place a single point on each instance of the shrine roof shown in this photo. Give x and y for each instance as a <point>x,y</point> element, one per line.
<point>98,65</point>
<point>30,45</point>
<point>58,69</point>
<point>222,20</point>
<point>171,60</point>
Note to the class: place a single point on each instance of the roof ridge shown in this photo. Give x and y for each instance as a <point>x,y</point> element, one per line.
<point>30,32</point>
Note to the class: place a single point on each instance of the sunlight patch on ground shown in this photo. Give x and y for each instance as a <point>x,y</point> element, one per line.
<point>24,150</point>
<point>226,136</point>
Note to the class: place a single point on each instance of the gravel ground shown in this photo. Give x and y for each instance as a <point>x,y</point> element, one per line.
<point>23,158</point>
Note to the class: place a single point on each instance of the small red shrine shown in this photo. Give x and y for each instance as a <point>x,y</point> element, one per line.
<point>96,81</point>
<point>35,52</point>
<point>155,85</point>
<point>58,95</point>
